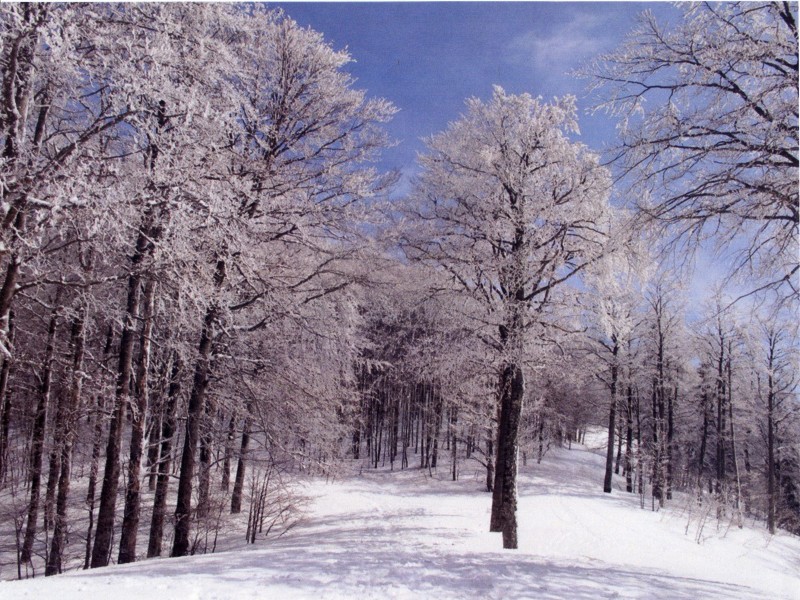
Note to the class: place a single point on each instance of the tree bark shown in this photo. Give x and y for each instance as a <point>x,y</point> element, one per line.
<point>164,463</point>
<point>37,439</point>
<point>101,552</point>
<point>96,446</point>
<point>238,483</point>
<point>612,419</point>
<point>629,443</point>
<point>69,421</point>
<point>226,463</point>
<point>130,520</point>
<point>5,398</point>
<point>506,489</point>
<point>180,546</point>
<point>771,491</point>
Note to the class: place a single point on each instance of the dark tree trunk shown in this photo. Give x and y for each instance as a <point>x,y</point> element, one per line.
<point>657,483</point>
<point>204,475</point>
<point>505,492</point>
<point>96,447</point>
<point>101,552</point>
<point>5,399</point>
<point>496,520</point>
<point>540,435</point>
<point>183,508</point>
<point>454,446</point>
<point>154,431</point>
<point>130,520</point>
<point>771,476</point>
<point>69,422</point>
<point>612,418</point>
<point>164,462</point>
<point>238,483</point>
<point>37,440</point>
<point>226,463</point>
<point>629,443</point>
<point>721,434</point>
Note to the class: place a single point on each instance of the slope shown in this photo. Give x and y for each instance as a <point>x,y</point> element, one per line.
<point>407,535</point>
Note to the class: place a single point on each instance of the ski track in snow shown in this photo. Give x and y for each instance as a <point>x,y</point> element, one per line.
<point>405,535</point>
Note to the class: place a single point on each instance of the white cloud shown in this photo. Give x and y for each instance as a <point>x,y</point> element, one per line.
<point>564,45</point>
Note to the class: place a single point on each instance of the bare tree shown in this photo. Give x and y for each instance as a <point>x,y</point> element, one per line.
<point>709,130</point>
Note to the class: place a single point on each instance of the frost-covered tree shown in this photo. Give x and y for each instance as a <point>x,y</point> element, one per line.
<point>300,141</point>
<point>709,129</point>
<point>616,284</point>
<point>511,209</point>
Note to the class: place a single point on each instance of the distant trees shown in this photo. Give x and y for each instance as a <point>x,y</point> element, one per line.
<point>511,210</point>
<point>709,135</point>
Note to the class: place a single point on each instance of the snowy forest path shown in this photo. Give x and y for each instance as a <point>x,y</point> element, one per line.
<point>407,535</point>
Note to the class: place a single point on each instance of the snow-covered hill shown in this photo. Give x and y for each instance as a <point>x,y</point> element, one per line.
<point>406,535</point>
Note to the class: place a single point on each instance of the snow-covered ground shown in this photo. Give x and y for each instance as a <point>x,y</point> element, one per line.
<point>406,535</point>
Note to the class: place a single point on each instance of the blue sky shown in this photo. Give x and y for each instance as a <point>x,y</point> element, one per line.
<point>428,57</point>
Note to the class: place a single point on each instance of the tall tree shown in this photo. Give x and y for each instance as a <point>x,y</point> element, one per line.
<point>512,209</point>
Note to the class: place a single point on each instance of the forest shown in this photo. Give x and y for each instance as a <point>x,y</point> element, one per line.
<point>209,288</point>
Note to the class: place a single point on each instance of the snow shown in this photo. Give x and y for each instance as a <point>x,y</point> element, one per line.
<point>405,534</point>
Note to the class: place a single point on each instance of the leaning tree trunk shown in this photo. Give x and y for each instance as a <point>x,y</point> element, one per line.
<point>130,520</point>
<point>68,438</point>
<point>37,440</point>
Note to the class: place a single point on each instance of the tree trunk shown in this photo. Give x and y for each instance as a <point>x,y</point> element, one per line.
<point>454,448</point>
<point>37,440</point>
<point>130,520</point>
<point>670,435</point>
<point>226,463</point>
<point>164,462</point>
<point>180,546</point>
<point>101,552</point>
<point>69,422</point>
<point>238,483</point>
<point>612,419</point>
<point>771,491</point>
<point>204,475</point>
<point>629,443</point>
<point>96,446</point>
<point>5,399</point>
<point>505,492</point>
<point>720,421</point>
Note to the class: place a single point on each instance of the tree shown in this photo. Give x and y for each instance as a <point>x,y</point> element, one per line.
<point>709,129</point>
<point>301,137</point>
<point>511,209</point>
<point>615,287</point>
